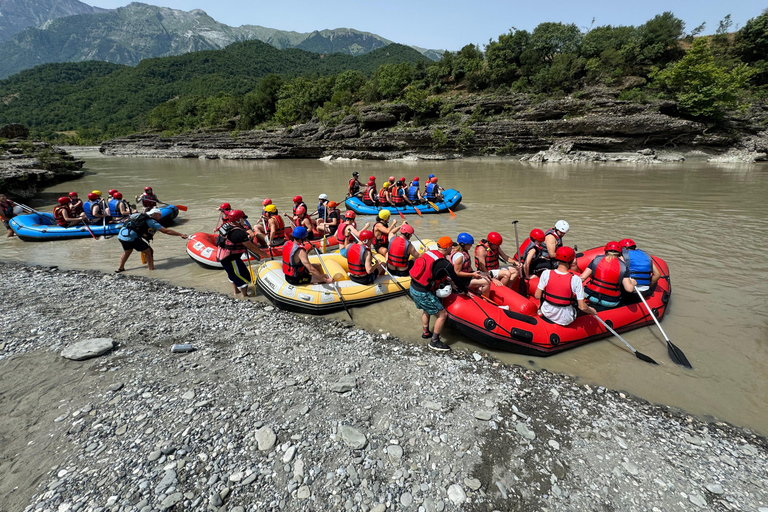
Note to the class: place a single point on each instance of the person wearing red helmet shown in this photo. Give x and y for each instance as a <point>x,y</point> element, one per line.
<point>232,242</point>
<point>605,276</point>
<point>346,230</point>
<point>400,252</point>
<point>275,228</point>
<point>353,187</point>
<point>430,276</point>
<point>301,218</point>
<point>298,202</point>
<point>147,199</point>
<point>137,231</point>
<point>94,210</point>
<point>532,253</point>
<point>360,264</point>
<point>641,266</point>
<point>413,194</point>
<point>62,214</point>
<point>119,209</point>
<point>398,193</point>
<point>261,224</point>
<point>75,205</point>
<point>370,194</point>
<point>487,255</point>
<point>559,288</point>
<point>432,190</point>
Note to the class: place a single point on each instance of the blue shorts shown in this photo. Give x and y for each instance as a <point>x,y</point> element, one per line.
<point>600,302</point>
<point>426,301</point>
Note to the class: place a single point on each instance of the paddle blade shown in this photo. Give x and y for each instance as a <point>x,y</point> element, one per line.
<point>181,207</point>
<point>451,212</point>
<point>417,211</point>
<point>645,358</point>
<point>401,214</point>
<point>434,206</point>
<point>677,356</point>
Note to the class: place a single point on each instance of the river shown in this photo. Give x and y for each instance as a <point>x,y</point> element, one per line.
<point>708,221</point>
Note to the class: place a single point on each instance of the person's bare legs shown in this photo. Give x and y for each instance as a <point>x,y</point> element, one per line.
<point>149,254</point>
<point>440,318</point>
<point>123,259</point>
<point>425,320</point>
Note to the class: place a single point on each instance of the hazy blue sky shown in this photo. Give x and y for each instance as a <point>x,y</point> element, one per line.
<point>450,24</point>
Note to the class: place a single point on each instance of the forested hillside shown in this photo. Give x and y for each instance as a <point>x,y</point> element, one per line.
<point>249,84</point>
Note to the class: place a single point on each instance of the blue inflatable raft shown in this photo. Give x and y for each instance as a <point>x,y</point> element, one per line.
<point>451,198</point>
<point>40,227</point>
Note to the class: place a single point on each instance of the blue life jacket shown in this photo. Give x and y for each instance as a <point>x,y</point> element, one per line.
<point>413,191</point>
<point>114,207</point>
<point>88,209</point>
<point>431,190</point>
<point>640,266</point>
<point>321,210</point>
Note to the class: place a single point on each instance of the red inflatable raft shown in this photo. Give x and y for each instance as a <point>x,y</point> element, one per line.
<point>519,328</point>
<point>201,247</point>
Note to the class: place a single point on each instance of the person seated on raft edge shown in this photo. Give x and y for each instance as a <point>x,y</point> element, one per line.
<point>332,219</point>
<point>360,265</point>
<point>297,201</point>
<point>6,214</point>
<point>296,266</point>
<point>383,233</point>
<point>119,210</point>
<point>413,194</point>
<point>642,268</point>
<point>370,195</point>
<point>607,275</point>
<point>345,231</point>
<point>62,214</point>
<point>432,191</point>
<point>93,210</point>
<point>385,195</point>
<point>398,194</point>
<point>148,199</point>
<point>533,253</point>
<point>353,187</point>
<point>462,265</point>
<point>553,239</point>
<point>487,254</point>
<point>232,241</point>
<point>399,250</point>
<point>559,288</point>
<point>322,208</point>
<point>75,205</point>
<point>259,228</point>
<point>275,226</point>
<point>302,219</point>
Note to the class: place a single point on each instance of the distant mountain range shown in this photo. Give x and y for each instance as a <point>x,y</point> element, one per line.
<point>71,31</point>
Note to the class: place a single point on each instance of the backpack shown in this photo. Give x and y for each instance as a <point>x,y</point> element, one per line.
<point>221,238</point>
<point>137,223</point>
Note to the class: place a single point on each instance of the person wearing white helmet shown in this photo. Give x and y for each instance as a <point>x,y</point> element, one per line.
<point>322,201</point>
<point>553,239</point>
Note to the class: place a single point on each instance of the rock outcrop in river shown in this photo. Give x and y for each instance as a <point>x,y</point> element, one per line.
<point>26,166</point>
<point>592,127</point>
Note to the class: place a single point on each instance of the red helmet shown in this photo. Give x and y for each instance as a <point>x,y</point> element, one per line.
<point>147,189</point>
<point>628,243</point>
<point>612,246</point>
<point>366,234</point>
<point>301,210</point>
<point>117,195</point>
<point>235,215</point>
<point>402,179</point>
<point>297,199</point>
<point>537,235</point>
<point>111,191</point>
<point>63,200</point>
<point>73,194</point>
<point>350,214</point>
<point>494,238</point>
<point>92,196</point>
<point>225,206</point>
<point>266,202</point>
<point>371,183</point>
<point>372,178</point>
<point>391,178</point>
<point>416,178</point>
<point>406,229</point>
<point>434,180</point>
<point>565,254</point>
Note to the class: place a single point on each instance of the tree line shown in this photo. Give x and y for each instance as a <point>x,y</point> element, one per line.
<point>251,84</point>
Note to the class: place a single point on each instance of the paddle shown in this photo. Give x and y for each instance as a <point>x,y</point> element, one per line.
<point>333,283</point>
<point>384,266</point>
<point>179,206</point>
<point>433,205</point>
<point>85,223</point>
<point>266,237</point>
<point>675,353</point>
<point>639,355</point>
<point>250,270</point>
<point>517,242</point>
<point>104,211</point>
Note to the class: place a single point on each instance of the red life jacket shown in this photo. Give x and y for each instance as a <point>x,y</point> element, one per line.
<point>398,196</point>
<point>421,272</point>
<point>370,193</point>
<point>605,282</point>
<point>148,200</point>
<point>397,252</point>
<point>58,215</point>
<point>290,268</point>
<point>279,237</point>
<point>354,186</point>
<point>558,291</point>
<point>356,260</point>
<point>491,256</point>
<point>296,207</point>
<point>76,208</point>
<point>466,265</point>
<point>381,240</point>
<point>226,247</point>
<point>340,232</point>
<point>383,193</point>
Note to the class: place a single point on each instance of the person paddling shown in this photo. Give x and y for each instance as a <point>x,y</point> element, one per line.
<point>383,232</point>
<point>400,252</point>
<point>75,205</point>
<point>414,194</point>
<point>296,266</point>
<point>148,199</point>
<point>642,268</point>
<point>532,255</point>
<point>432,191</point>
<point>275,228</point>
<point>332,218</point>
<point>362,269</point>
<point>605,277</point>
<point>63,215</point>
<point>353,188</point>
<point>346,230</point>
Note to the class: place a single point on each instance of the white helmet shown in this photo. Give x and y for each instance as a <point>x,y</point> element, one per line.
<point>444,292</point>
<point>324,197</point>
<point>562,226</point>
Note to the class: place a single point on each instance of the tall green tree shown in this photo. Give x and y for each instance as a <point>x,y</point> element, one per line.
<point>504,56</point>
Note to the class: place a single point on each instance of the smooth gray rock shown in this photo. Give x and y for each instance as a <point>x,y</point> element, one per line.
<point>87,349</point>
<point>344,384</point>
<point>456,494</point>
<point>266,438</point>
<point>353,437</point>
<point>171,500</point>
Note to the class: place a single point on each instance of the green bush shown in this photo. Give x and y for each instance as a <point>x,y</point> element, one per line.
<point>439,139</point>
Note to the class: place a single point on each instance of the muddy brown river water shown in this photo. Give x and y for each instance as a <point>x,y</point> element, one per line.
<point>708,221</point>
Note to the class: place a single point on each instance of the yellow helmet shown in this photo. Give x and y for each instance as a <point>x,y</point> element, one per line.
<point>384,214</point>
<point>386,184</point>
<point>97,192</point>
<point>270,208</point>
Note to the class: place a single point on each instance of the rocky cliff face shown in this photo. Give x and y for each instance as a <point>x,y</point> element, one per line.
<point>17,15</point>
<point>584,129</point>
<point>26,166</point>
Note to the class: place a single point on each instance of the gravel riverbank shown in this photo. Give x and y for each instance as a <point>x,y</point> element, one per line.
<point>274,411</point>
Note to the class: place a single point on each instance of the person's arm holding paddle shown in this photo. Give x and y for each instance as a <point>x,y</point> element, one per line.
<point>304,259</point>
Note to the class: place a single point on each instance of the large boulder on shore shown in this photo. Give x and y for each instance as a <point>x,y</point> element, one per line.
<point>88,349</point>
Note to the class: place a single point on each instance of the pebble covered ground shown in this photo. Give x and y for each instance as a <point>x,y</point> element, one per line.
<point>274,411</point>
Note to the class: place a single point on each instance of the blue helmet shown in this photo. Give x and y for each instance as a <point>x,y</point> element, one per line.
<point>431,176</point>
<point>299,232</point>
<point>465,238</point>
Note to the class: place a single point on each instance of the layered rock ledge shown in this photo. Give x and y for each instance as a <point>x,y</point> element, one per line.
<point>595,127</point>
<point>274,411</point>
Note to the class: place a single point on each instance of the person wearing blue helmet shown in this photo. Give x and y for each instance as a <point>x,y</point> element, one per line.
<point>296,266</point>
<point>462,264</point>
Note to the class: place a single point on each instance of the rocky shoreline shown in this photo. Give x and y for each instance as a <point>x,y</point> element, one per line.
<point>27,166</point>
<point>594,127</point>
<point>274,411</point>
